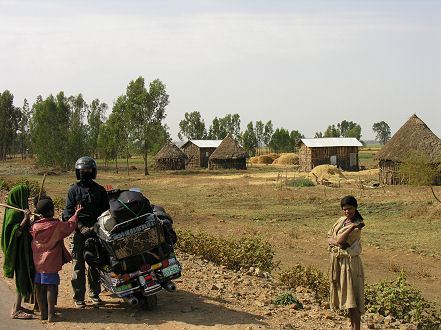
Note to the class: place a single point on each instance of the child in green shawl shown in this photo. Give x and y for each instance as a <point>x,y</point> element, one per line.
<point>16,246</point>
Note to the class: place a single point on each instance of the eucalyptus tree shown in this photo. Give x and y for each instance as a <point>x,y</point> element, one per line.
<point>50,131</point>
<point>382,131</point>
<point>10,117</point>
<point>249,140</point>
<point>146,109</point>
<point>192,127</point>
<point>95,118</point>
<point>23,128</point>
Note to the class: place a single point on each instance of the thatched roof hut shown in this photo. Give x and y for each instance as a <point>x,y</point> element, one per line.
<point>170,157</point>
<point>229,154</point>
<point>413,136</point>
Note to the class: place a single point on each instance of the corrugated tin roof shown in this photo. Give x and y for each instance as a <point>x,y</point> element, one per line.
<point>206,143</point>
<point>332,142</point>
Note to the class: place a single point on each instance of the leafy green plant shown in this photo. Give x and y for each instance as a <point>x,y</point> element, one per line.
<point>286,299</point>
<point>400,300</point>
<point>3,184</point>
<point>59,202</point>
<point>300,182</point>
<point>33,185</point>
<point>308,277</point>
<point>418,170</point>
<point>234,253</point>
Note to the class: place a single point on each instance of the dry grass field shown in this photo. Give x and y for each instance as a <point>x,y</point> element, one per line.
<point>402,230</point>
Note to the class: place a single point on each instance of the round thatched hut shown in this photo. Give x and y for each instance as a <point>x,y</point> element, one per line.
<point>413,136</point>
<point>170,157</point>
<point>229,154</point>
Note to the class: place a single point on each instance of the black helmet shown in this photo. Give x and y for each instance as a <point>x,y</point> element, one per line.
<point>83,163</point>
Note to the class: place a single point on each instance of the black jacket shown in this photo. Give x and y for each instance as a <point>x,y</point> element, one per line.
<point>92,197</point>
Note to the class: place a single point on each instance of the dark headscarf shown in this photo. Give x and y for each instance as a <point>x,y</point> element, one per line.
<point>44,206</point>
<point>17,248</point>
<point>350,200</point>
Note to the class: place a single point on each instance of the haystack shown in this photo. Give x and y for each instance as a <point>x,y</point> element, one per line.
<point>327,172</point>
<point>229,154</point>
<point>263,159</point>
<point>287,159</point>
<point>413,137</point>
<point>170,157</point>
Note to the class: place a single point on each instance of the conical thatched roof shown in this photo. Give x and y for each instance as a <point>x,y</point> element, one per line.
<point>170,151</point>
<point>229,149</point>
<point>414,135</point>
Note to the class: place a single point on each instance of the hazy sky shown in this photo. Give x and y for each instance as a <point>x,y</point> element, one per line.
<point>302,64</point>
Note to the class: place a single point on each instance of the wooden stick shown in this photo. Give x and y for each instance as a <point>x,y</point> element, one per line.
<point>15,208</point>
<point>41,188</point>
<point>434,194</point>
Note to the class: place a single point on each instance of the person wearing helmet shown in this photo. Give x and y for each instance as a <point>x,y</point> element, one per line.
<point>93,198</point>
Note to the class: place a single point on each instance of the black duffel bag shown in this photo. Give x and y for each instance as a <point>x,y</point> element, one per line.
<point>128,205</point>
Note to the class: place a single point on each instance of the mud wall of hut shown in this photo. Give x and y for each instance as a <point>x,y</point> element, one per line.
<point>238,164</point>
<point>390,174</point>
<point>197,157</point>
<point>346,158</point>
<point>169,164</point>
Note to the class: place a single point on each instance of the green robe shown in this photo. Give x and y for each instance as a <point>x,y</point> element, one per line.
<point>17,248</point>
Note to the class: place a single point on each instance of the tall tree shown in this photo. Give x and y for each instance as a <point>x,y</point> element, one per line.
<point>24,128</point>
<point>280,141</point>
<point>260,135</point>
<point>147,110</point>
<point>192,127</point>
<point>77,130</point>
<point>268,132</point>
<point>221,127</point>
<point>294,138</point>
<point>355,132</point>
<point>249,141</point>
<point>10,117</point>
<point>95,118</point>
<point>332,131</point>
<point>50,131</point>
<point>382,130</point>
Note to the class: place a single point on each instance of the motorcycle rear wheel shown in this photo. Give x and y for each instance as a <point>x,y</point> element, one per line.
<point>148,303</point>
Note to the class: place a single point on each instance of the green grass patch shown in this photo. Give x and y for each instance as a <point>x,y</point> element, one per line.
<point>300,182</point>
<point>286,299</point>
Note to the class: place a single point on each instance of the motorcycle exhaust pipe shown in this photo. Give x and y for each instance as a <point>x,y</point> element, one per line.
<point>170,286</point>
<point>133,301</point>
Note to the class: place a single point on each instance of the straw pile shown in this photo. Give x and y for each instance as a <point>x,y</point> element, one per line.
<point>327,172</point>
<point>287,159</point>
<point>264,159</point>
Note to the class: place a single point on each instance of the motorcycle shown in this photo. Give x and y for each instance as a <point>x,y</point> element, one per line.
<point>135,258</point>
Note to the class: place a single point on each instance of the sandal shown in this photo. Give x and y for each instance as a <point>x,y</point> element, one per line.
<point>27,311</point>
<point>21,315</point>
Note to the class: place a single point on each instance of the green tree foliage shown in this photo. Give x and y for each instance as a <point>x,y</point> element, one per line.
<point>145,109</point>
<point>260,135</point>
<point>268,132</point>
<point>221,127</point>
<point>382,131</point>
<point>343,129</point>
<point>192,127</point>
<point>50,131</point>
<point>9,123</point>
<point>294,138</point>
<point>77,138</point>
<point>23,128</point>
<point>249,140</point>
<point>284,141</point>
<point>95,118</point>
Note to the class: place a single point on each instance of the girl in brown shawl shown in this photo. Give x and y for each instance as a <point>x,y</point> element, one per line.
<point>346,273</point>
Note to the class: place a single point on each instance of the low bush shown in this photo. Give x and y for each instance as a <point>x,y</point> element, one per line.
<point>307,277</point>
<point>286,299</point>
<point>301,182</point>
<point>59,203</point>
<point>234,253</point>
<point>33,185</point>
<point>402,301</point>
<point>3,184</point>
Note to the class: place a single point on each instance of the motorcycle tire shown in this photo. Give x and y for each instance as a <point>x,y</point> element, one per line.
<point>148,303</point>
